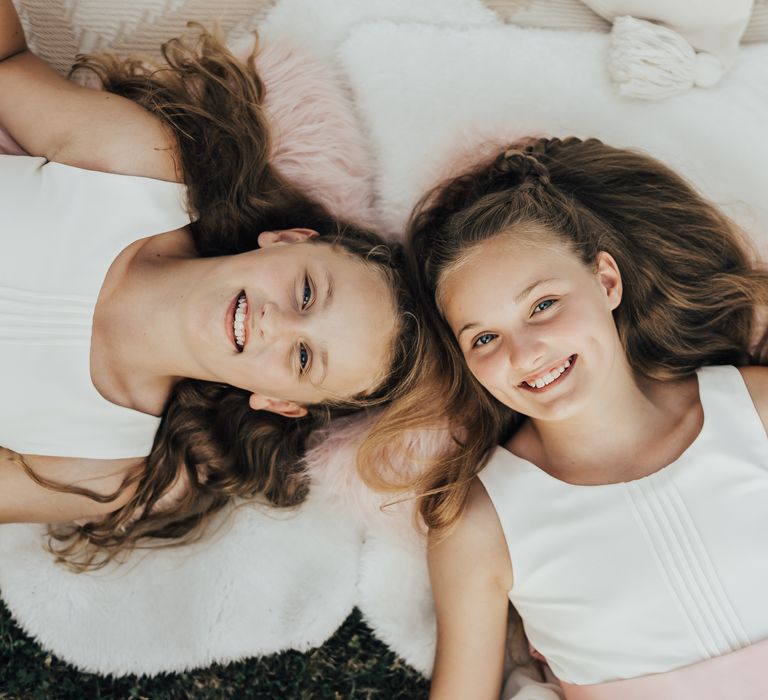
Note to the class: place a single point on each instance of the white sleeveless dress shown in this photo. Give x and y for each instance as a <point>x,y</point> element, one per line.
<point>61,228</point>
<point>624,580</point>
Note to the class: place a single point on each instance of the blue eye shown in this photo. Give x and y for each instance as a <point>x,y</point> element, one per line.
<point>303,358</point>
<point>543,305</point>
<point>483,339</point>
<point>307,295</point>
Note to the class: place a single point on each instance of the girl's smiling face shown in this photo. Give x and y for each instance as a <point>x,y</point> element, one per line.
<point>295,322</point>
<point>534,324</point>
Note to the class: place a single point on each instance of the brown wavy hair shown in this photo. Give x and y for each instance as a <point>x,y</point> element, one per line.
<point>692,288</point>
<point>209,440</point>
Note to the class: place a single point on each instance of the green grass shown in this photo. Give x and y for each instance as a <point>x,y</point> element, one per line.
<point>352,664</point>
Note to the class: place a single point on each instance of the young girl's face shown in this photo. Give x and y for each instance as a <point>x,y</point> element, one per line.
<point>295,321</point>
<point>534,323</point>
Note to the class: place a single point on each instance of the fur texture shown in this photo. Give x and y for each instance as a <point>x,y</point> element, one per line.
<point>447,92</point>
<point>317,140</point>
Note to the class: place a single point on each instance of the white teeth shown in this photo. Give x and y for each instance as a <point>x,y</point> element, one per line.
<point>549,377</point>
<point>239,322</point>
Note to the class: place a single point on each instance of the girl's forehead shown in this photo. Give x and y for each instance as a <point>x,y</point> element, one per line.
<point>342,258</point>
<point>529,236</point>
<point>524,237</point>
<point>513,254</point>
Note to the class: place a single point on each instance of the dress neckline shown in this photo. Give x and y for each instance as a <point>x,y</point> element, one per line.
<point>684,456</point>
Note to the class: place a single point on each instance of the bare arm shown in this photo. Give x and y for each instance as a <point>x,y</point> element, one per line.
<point>470,574</point>
<point>756,379</point>
<point>23,500</point>
<point>50,116</point>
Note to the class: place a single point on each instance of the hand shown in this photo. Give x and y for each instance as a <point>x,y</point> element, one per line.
<point>524,683</point>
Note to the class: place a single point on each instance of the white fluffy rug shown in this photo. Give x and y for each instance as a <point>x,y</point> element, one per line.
<point>428,95</point>
<point>432,95</point>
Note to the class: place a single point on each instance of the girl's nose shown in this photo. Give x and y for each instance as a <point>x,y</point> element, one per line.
<point>275,323</point>
<point>525,353</point>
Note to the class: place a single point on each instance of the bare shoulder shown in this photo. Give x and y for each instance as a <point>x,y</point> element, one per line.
<point>756,379</point>
<point>475,547</point>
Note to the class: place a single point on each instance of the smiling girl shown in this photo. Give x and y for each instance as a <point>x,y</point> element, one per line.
<point>606,314</point>
<point>154,367</point>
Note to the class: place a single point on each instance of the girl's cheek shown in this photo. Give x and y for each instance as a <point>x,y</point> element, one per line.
<point>475,366</point>
<point>485,370</point>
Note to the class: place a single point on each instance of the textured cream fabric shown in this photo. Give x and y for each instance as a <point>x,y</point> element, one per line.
<point>757,29</point>
<point>573,14</point>
<point>59,29</point>
<point>550,14</point>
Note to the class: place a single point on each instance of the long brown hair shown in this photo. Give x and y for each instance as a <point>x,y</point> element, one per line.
<point>691,287</point>
<point>210,441</point>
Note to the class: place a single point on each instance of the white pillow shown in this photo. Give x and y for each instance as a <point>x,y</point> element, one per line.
<point>430,97</point>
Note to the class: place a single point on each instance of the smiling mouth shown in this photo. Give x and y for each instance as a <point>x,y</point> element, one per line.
<point>237,317</point>
<point>544,381</point>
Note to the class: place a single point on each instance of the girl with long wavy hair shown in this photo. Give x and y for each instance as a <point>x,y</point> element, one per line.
<point>175,318</point>
<point>600,321</point>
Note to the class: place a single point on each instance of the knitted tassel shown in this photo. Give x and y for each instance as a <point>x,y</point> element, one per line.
<point>649,61</point>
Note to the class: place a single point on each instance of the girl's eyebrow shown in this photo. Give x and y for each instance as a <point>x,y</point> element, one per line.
<point>320,367</point>
<point>518,299</point>
<point>324,348</point>
<point>323,366</point>
<point>328,292</point>
<point>531,287</point>
<point>466,327</point>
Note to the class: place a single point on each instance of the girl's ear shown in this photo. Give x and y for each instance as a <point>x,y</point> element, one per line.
<point>289,409</point>
<point>609,277</point>
<point>291,235</point>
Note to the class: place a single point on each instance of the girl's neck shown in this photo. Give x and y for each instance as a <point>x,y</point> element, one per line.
<point>135,357</point>
<point>634,428</point>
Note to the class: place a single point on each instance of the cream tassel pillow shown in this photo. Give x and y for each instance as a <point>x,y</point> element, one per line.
<point>676,44</point>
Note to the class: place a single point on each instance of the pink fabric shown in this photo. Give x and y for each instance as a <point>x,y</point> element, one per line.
<point>332,463</point>
<point>317,140</point>
<point>740,675</point>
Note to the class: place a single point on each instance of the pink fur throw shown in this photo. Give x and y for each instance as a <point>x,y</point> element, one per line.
<point>317,142</point>
<point>332,462</point>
